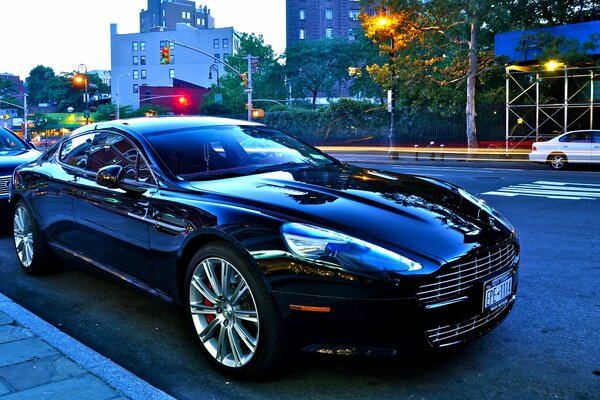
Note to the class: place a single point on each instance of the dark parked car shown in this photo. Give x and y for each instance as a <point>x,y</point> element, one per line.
<point>268,243</point>
<point>14,151</point>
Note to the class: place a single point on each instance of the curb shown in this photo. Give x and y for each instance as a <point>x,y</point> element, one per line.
<point>112,374</point>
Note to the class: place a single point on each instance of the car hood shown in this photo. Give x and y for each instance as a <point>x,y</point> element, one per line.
<point>10,159</point>
<point>407,213</point>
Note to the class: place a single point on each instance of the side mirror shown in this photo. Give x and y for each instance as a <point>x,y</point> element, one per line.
<point>110,176</point>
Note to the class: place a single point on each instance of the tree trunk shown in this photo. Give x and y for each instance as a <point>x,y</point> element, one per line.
<point>471,80</point>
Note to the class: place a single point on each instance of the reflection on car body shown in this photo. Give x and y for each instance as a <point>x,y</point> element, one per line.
<point>266,242</point>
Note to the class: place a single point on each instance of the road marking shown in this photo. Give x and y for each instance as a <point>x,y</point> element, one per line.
<point>551,190</point>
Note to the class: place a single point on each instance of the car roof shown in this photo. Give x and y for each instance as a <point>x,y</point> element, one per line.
<point>145,125</point>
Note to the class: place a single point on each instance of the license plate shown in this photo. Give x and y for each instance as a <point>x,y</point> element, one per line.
<point>496,292</point>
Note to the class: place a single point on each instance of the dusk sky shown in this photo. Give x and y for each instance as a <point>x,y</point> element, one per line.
<point>62,34</point>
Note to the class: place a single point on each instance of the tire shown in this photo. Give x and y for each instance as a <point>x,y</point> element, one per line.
<point>557,161</point>
<point>33,253</point>
<point>238,328</point>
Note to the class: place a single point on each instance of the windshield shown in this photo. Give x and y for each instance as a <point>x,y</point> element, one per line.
<point>217,151</point>
<point>9,142</point>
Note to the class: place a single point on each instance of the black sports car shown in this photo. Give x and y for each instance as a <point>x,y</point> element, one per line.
<point>268,243</point>
<point>14,151</point>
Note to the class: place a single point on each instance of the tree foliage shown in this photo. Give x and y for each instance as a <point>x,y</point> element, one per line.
<point>318,66</point>
<point>267,79</point>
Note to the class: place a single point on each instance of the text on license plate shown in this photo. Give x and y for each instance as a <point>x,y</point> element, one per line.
<point>496,291</point>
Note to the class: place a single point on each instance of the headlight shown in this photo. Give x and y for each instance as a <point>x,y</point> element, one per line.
<point>484,206</point>
<point>316,243</point>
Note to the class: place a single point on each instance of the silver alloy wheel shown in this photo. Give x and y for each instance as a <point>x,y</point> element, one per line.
<point>557,161</point>
<point>224,312</point>
<point>23,235</point>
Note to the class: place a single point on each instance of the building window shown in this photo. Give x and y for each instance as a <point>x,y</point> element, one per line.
<point>136,74</point>
<point>142,46</point>
<point>328,14</point>
<point>134,46</point>
<point>225,55</point>
<point>225,43</point>
<point>216,43</point>
<point>183,14</point>
<point>217,56</point>
<point>302,14</point>
<point>143,74</point>
<point>354,14</point>
<point>329,33</point>
<point>136,88</point>
<point>172,59</point>
<point>135,60</point>
<point>143,60</point>
<point>188,15</point>
<point>171,73</point>
<point>302,34</point>
<point>351,34</point>
<point>163,43</point>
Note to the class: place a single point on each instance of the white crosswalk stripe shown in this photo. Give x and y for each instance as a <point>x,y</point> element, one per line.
<point>551,190</point>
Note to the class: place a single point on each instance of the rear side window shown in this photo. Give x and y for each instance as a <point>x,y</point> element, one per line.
<point>577,137</point>
<point>76,151</point>
<point>596,136</point>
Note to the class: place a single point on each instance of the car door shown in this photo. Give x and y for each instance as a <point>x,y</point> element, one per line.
<point>596,146</point>
<point>111,222</point>
<point>577,146</point>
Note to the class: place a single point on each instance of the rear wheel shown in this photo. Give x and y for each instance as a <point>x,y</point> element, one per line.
<point>32,251</point>
<point>232,314</point>
<point>557,161</point>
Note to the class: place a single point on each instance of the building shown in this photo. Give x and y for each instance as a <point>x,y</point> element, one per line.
<point>166,14</point>
<point>103,74</point>
<point>135,60</point>
<point>316,19</point>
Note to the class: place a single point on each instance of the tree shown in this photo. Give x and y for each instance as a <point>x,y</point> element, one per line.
<point>37,82</point>
<point>267,80</point>
<point>318,66</point>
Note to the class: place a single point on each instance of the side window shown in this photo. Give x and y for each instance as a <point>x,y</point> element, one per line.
<point>579,137</point>
<point>596,136</point>
<point>113,149</point>
<point>76,151</point>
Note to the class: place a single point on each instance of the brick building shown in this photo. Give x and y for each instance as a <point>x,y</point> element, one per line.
<point>166,14</point>
<point>316,19</point>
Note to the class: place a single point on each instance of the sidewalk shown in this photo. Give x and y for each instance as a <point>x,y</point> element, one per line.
<point>37,361</point>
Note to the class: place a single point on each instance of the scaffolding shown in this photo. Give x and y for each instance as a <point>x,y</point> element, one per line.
<point>544,101</point>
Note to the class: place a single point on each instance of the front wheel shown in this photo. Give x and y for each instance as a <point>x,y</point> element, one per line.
<point>232,314</point>
<point>32,251</point>
<point>557,161</point>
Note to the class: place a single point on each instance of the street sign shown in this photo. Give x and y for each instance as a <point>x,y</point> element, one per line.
<point>218,98</point>
<point>5,117</point>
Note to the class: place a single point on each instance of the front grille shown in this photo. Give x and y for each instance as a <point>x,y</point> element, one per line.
<point>460,331</point>
<point>456,279</point>
<point>4,185</point>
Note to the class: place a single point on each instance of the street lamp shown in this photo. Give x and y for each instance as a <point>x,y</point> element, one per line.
<point>385,23</point>
<point>82,77</point>
<point>117,113</point>
<point>215,68</point>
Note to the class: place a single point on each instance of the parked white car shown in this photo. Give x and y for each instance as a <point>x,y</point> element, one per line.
<point>571,147</point>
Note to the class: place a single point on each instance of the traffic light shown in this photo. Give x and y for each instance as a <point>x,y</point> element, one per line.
<point>244,80</point>
<point>258,113</point>
<point>183,101</point>
<point>165,55</point>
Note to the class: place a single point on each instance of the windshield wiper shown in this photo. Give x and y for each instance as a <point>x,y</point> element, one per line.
<point>200,176</point>
<point>286,165</point>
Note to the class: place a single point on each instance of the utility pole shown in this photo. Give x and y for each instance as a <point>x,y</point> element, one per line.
<point>25,132</point>
<point>249,89</point>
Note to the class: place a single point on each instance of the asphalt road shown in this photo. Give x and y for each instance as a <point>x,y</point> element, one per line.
<point>548,347</point>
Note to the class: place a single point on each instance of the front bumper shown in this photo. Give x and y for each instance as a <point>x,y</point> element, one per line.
<point>384,324</point>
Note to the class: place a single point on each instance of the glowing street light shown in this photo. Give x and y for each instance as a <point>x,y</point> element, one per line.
<point>82,78</point>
